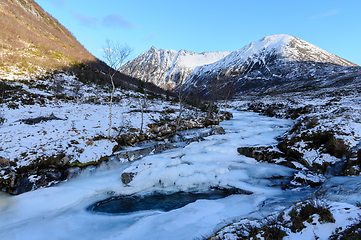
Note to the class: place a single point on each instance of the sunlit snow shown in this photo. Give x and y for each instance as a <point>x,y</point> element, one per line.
<point>59,212</point>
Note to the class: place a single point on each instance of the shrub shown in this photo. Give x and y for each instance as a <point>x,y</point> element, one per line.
<point>2,117</point>
<point>352,232</point>
<point>301,213</point>
<point>13,105</point>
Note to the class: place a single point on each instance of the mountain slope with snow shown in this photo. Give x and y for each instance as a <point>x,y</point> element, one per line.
<point>282,47</point>
<point>168,68</point>
<point>274,63</point>
<point>270,63</point>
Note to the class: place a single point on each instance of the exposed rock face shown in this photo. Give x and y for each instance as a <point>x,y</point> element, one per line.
<point>168,68</point>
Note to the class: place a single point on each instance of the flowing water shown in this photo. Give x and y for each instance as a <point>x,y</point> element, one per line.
<point>172,195</point>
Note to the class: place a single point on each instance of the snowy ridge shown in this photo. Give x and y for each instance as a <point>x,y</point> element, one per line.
<point>274,63</point>
<point>167,68</point>
<point>283,47</point>
<point>273,58</point>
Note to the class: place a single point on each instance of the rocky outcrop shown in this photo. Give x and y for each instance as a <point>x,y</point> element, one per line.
<point>261,153</point>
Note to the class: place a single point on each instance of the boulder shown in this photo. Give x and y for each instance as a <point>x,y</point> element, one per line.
<point>218,130</point>
<point>127,177</point>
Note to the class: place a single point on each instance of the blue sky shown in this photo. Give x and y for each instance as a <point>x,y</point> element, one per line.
<point>210,25</point>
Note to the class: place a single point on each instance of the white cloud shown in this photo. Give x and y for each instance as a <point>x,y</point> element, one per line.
<point>117,21</point>
<point>85,20</point>
<point>326,14</point>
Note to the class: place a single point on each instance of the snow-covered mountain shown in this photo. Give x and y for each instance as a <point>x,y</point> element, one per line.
<point>272,63</point>
<point>168,68</point>
<point>257,59</point>
<point>268,62</point>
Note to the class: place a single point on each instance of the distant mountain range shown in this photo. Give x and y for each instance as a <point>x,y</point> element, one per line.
<point>277,62</point>
<point>168,68</point>
<point>33,43</point>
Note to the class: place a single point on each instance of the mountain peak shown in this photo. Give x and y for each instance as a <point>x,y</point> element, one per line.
<point>276,58</point>
<point>167,68</point>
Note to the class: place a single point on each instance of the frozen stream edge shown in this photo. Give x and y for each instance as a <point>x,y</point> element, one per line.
<point>59,212</point>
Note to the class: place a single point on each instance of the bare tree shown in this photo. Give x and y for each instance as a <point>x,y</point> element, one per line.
<point>76,89</point>
<point>182,96</point>
<point>115,55</point>
<point>143,104</point>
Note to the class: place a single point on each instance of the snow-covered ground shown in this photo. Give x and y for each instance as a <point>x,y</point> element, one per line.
<point>59,212</point>
<point>57,122</point>
<point>333,111</point>
<point>79,122</point>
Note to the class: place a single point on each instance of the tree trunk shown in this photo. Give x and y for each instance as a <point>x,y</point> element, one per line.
<point>142,114</point>
<point>110,106</point>
<point>179,115</point>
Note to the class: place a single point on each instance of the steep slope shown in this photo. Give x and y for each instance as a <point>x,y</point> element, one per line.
<point>33,44</point>
<point>271,63</point>
<point>168,68</point>
<point>33,41</point>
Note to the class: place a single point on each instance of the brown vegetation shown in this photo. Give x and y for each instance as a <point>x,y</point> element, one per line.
<point>32,38</point>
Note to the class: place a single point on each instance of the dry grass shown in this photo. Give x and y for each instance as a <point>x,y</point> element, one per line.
<point>31,37</point>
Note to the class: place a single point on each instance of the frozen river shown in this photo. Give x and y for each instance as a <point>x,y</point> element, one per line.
<point>60,212</point>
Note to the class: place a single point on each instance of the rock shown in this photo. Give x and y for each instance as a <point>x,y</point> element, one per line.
<point>65,160</point>
<point>53,175</point>
<point>73,172</point>
<point>4,162</point>
<point>233,190</point>
<point>134,154</point>
<point>308,178</point>
<point>127,177</point>
<point>260,153</point>
<point>143,150</point>
<point>353,161</point>
<point>24,185</point>
<point>218,130</point>
<point>176,138</point>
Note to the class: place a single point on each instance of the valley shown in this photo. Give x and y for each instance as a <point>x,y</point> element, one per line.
<point>263,142</point>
